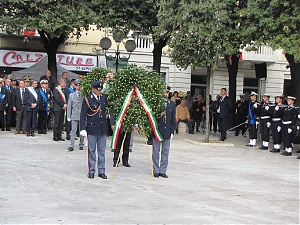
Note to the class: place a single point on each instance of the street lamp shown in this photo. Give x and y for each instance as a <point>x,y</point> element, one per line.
<point>105,44</point>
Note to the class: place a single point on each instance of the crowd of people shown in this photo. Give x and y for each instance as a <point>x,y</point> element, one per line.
<point>33,102</point>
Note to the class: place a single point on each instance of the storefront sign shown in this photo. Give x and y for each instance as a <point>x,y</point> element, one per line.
<point>22,59</point>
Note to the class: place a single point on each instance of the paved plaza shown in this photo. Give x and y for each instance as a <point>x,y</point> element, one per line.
<point>42,182</point>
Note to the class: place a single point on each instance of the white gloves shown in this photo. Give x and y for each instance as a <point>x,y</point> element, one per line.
<point>277,108</point>
<point>268,124</point>
<point>83,133</point>
<point>171,136</point>
<point>256,123</point>
<point>69,119</point>
<point>267,108</point>
<point>298,127</point>
<point>299,116</point>
<point>255,105</point>
<point>290,130</point>
<point>278,129</point>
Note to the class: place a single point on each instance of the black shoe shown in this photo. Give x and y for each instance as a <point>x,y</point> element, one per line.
<point>191,132</point>
<point>90,175</point>
<point>8,129</point>
<point>112,150</point>
<point>55,139</point>
<point>68,138</point>
<point>248,145</point>
<point>32,134</point>
<point>298,151</point>
<point>298,157</point>
<point>80,148</point>
<point>263,148</point>
<point>61,139</point>
<point>3,129</point>
<point>149,142</point>
<point>102,175</point>
<point>130,150</point>
<point>274,150</point>
<point>76,139</point>
<point>163,175</point>
<point>221,139</point>
<point>39,132</point>
<point>126,164</point>
<point>156,175</point>
<point>197,130</point>
<point>176,131</point>
<point>286,153</point>
<point>70,149</point>
<point>115,163</point>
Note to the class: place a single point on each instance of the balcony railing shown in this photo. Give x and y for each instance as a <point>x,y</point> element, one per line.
<point>264,53</point>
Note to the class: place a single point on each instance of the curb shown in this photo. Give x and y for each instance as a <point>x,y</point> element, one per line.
<point>220,144</point>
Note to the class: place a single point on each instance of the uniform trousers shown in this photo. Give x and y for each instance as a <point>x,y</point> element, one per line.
<point>223,127</point>
<point>125,156</point>
<point>74,125</point>
<point>160,158</point>
<point>252,131</point>
<point>58,123</point>
<point>287,137</point>
<point>264,130</point>
<point>42,121</point>
<point>31,120</point>
<point>277,136</point>
<point>8,118</point>
<point>96,142</point>
<point>2,119</point>
<point>21,119</point>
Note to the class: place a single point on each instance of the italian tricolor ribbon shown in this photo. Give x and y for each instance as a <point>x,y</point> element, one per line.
<point>108,76</point>
<point>122,114</point>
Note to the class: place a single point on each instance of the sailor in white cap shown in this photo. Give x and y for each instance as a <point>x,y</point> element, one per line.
<point>277,123</point>
<point>265,122</point>
<point>289,120</point>
<point>252,119</point>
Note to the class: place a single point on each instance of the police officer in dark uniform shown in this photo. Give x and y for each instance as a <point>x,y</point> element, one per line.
<point>3,101</point>
<point>44,106</point>
<point>252,119</point>
<point>289,120</point>
<point>93,126</point>
<point>166,126</point>
<point>241,115</point>
<point>277,123</point>
<point>265,121</point>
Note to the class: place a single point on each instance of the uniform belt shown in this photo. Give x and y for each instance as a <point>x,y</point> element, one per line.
<point>276,119</point>
<point>286,122</point>
<point>265,117</point>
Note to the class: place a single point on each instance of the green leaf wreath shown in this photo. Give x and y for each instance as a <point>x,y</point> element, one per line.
<point>150,84</point>
<point>95,74</point>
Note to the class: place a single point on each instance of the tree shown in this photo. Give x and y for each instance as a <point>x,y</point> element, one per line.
<point>201,35</point>
<point>54,20</point>
<point>139,16</point>
<point>277,23</point>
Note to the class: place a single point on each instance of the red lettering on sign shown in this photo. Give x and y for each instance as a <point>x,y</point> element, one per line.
<point>13,58</point>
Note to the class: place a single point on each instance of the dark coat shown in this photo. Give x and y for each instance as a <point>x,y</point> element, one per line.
<point>9,96</point>
<point>93,124</point>
<point>17,100</point>
<point>225,107</point>
<point>42,103</point>
<point>167,122</point>
<point>3,100</point>
<point>58,102</point>
<point>29,100</point>
<point>197,115</point>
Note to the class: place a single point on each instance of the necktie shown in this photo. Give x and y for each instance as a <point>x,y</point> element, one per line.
<point>23,99</point>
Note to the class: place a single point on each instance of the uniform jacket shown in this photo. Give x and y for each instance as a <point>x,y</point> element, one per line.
<point>241,111</point>
<point>51,83</point>
<point>9,96</point>
<point>92,119</point>
<point>167,122</point>
<point>74,106</point>
<point>29,100</point>
<point>225,106</point>
<point>264,111</point>
<point>252,112</point>
<point>58,102</point>
<point>17,99</point>
<point>3,99</point>
<point>290,114</point>
<point>42,104</point>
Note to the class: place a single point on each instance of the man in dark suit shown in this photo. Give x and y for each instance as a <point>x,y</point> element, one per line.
<point>3,101</point>
<point>32,102</point>
<point>48,77</point>
<point>93,126</point>
<point>44,106</point>
<point>59,107</point>
<point>225,105</point>
<point>166,127</point>
<point>9,105</point>
<point>19,105</point>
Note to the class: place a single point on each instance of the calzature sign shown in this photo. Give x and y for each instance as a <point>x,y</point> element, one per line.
<point>11,58</point>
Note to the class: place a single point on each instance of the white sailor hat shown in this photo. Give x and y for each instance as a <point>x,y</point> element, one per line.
<point>291,97</point>
<point>279,96</point>
<point>267,95</point>
<point>43,82</point>
<point>253,93</point>
<point>242,95</point>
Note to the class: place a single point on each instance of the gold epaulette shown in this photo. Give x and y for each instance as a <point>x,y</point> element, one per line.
<point>95,111</point>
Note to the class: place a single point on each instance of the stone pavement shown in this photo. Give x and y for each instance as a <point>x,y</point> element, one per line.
<point>41,182</point>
